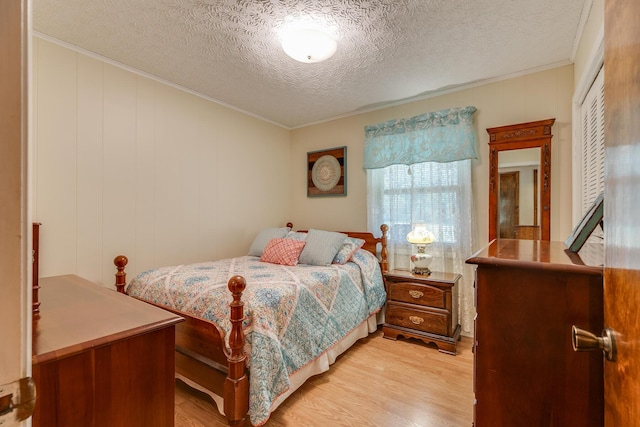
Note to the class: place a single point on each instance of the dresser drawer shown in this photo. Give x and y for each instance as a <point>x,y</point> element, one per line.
<point>415,293</point>
<point>413,317</point>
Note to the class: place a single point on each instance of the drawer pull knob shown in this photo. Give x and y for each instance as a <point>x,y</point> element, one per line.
<point>416,320</point>
<point>416,294</point>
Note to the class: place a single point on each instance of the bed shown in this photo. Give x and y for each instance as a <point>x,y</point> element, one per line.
<point>299,318</point>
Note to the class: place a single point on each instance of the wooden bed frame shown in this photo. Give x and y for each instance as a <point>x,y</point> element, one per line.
<point>201,353</point>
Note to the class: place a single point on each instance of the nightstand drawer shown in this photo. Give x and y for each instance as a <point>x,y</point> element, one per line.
<point>399,314</point>
<point>414,293</point>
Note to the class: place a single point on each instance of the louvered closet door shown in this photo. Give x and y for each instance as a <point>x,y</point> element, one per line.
<point>593,142</point>
<point>593,150</point>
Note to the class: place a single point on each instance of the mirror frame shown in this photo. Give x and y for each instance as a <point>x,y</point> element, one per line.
<point>514,137</point>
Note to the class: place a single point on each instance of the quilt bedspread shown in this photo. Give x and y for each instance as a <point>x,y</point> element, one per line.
<point>293,314</point>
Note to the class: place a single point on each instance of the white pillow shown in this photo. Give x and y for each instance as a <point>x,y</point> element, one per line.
<point>321,247</point>
<point>263,237</point>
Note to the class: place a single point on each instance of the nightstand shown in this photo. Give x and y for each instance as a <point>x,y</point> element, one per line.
<point>423,307</point>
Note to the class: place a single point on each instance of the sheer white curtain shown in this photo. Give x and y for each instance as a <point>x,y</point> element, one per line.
<point>440,194</point>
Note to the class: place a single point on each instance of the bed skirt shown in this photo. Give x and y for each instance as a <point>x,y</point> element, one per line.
<point>319,365</point>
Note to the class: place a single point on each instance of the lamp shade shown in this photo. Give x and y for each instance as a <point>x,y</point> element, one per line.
<point>308,45</point>
<point>419,235</point>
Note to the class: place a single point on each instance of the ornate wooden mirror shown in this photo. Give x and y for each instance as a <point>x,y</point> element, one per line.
<point>520,181</point>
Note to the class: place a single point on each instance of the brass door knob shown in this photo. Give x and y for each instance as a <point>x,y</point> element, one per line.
<point>586,341</point>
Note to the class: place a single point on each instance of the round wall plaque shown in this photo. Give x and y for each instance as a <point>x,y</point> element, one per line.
<point>325,173</point>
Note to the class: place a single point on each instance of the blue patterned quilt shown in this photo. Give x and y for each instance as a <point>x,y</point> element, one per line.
<point>293,314</point>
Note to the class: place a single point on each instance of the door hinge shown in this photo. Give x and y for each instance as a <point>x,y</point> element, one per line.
<point>17,401</point>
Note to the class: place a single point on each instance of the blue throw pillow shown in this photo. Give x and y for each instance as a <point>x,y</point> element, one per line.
<point>321,247</point>
<point>263,237</point>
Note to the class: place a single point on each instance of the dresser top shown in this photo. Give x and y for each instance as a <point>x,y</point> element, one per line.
<point>434,276</point>
<point>76,315</point>
<point>540,254</point>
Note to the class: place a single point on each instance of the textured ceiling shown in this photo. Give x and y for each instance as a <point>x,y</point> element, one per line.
<point>388,50</point>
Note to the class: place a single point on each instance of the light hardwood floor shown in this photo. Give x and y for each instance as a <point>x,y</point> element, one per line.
<point>378,382</point>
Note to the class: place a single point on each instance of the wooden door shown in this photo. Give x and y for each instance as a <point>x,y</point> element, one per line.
<point>15,311</point>
<point>622,204</point>
<point>509,204</point>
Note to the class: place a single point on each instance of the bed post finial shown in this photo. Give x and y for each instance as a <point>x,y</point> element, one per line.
<point>384,263</point>
<point>236,384</point>
<point>121,277</point>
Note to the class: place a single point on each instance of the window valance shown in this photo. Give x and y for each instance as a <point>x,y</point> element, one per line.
<point>440,136</point>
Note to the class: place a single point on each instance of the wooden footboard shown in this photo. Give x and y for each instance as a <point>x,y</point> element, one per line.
<point>201,353</point>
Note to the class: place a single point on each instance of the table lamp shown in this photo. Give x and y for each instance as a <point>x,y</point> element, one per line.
<point>421,237</point>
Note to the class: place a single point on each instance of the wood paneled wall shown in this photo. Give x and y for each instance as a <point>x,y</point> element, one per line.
<point>127,164</point>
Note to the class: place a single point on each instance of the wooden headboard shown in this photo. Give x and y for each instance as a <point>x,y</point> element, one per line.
<point>370,242</point>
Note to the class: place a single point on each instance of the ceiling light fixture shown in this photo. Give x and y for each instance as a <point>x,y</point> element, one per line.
<point>308,45</point>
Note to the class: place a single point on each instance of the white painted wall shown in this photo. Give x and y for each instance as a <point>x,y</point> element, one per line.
<point>536,96</point>
<point>128,165</point>
<point>592,37</point>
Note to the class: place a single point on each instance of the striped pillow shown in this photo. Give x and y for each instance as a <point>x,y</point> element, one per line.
<point>348,248</point>
<point>282,251</point>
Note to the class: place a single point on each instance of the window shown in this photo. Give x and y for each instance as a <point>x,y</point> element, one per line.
<point>436,189</point>
<point>425,191</point>
<point>437,193</point>
<point>440,194</point>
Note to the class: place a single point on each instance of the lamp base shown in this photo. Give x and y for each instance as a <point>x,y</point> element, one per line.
<point>421,271</point>
<point>421,262</point>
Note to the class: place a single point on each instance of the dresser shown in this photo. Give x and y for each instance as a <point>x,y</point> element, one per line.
<point>529,294</point>
<point>423,307</point>
<point>101,358</point>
